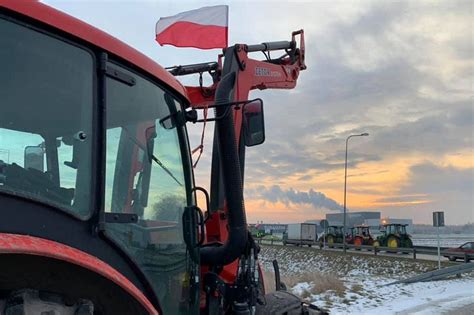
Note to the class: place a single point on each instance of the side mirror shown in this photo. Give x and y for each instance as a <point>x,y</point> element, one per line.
<point>253,123</point>
<point>34,158</point>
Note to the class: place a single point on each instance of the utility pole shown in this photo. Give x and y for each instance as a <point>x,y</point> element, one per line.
<point>365,134</point>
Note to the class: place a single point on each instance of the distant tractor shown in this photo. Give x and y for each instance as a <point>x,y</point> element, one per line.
<point>333,234</point>
<point>360,235</point>
<point>394,236</point>
<point>257,230</point>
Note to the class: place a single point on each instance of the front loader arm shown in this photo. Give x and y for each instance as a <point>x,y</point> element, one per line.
<point>278,73</point>
<point>228,247</point>
<point>272,73</point>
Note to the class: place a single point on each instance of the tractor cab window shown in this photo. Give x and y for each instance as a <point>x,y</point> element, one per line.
<point>46,92</point>
<point>145,176</point>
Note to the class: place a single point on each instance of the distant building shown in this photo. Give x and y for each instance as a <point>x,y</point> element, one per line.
<point>313,221</point>
<point>271,228</point>
<point>352,218</point>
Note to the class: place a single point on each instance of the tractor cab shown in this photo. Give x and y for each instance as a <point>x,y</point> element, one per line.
<point>394,228</point>
<point>87,153</point>
<point>333,234</point>
<point>335,230</point>
<point>362,230</point>
<point>394,235</point>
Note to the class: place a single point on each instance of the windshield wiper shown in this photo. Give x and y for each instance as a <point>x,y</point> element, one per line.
<point>152,156</point>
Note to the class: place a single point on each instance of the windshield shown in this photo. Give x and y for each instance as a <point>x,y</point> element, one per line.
<point>145,176</point>
<point>45,122</point>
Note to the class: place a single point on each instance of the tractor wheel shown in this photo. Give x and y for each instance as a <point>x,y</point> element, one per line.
<point>358,241</point>
<point>376,244</point>
<point>406,243</point>
<point>393,242</point>
<point>369,242</point>
<point>330,241</point>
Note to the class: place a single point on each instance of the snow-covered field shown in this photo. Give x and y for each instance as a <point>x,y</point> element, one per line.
<point>356,284</point>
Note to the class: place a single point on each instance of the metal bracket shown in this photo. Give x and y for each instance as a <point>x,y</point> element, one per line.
<point>120,76</point>
<point>111,217</point>
<point>240,54</point>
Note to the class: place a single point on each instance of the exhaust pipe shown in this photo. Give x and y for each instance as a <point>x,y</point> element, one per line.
<point>232,179</point>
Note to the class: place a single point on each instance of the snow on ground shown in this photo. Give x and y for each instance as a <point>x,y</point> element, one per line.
<point>417,298</point>
<point>358,283</point>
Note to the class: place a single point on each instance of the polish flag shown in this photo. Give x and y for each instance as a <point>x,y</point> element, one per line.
<point>203,28</point>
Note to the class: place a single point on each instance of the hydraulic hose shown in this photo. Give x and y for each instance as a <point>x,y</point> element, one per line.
<point>232,178</point>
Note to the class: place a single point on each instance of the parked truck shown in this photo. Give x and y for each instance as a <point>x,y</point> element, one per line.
<point>300,234</point>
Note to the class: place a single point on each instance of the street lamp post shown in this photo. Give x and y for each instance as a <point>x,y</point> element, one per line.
<point>365,134</point>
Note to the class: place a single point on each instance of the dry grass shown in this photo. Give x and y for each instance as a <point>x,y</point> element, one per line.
<point>357,288</point>
<point>321,282</point>
<point>297,259</point>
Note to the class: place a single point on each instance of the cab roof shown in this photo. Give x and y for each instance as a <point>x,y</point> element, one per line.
<point>68,24</point>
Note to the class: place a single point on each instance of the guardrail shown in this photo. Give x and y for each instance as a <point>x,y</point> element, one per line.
<point>438,274</point>
<point>426,250</point>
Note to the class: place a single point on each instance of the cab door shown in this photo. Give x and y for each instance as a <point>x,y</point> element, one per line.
<point>148,174</point>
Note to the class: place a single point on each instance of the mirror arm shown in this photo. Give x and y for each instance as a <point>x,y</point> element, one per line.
<point>227,111</point>
<point>236,104</point>
<point>233,103</point>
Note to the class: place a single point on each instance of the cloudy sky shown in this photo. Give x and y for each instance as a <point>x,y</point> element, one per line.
<point>400,70</point>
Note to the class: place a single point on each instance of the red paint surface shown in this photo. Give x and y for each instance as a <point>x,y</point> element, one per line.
<point>29,245</point>
<point>86,32</point>
<point>188,34</point>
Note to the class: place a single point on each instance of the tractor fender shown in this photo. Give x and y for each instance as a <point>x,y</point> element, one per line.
<point>34,246</point>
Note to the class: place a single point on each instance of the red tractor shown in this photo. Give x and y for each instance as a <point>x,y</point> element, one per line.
<point>360,235</point>
<point>97,192</point>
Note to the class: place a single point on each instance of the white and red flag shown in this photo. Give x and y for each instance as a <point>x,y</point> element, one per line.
<point>203,28</point>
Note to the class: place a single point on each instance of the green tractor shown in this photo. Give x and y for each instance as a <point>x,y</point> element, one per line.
<point>333,234</point>
<point>394,235</point>
<point>257,230</point>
